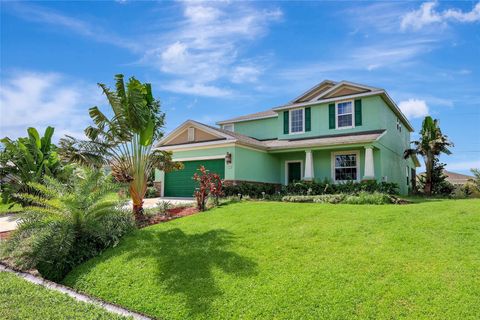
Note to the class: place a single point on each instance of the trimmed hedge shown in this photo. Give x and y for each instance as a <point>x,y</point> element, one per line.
<point>253,190</point>
<point>360,198</point>
<point>327,187</point>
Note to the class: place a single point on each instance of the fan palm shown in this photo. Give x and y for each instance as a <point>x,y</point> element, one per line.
<point>431,144</point>
<point>66,225</point>
<point>125,140</point>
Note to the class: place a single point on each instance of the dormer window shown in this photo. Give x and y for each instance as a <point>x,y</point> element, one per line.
<point>297,120</point>
<point>344,114</point>
<point>228,127</point>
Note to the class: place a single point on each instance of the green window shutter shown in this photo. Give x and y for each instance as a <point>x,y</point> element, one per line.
<point>285,122</point>
<point>358,112</point>
<point>308,117</point>
<point>331,116</point>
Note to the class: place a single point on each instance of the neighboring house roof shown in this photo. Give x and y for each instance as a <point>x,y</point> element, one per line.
<point>226,137</point>
<point>253,116</point>
<point>455,178</point>
<point>325,92</point>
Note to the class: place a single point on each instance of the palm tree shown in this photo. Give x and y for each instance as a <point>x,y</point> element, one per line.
<point>124,141</point>
<point>431,144</point>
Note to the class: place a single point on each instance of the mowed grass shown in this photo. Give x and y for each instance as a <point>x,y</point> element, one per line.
<point>20,299</point>
<point>270,260</point>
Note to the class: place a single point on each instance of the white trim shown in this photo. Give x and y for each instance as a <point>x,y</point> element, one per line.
<point>306,93</point>
<point>309,103</point>
<point>290,121</point>
<point>191,134</point>
<point>336,153</point>
<point>229,124</point>
<point>353,114</point>
<point>344,83</point>
<point>196,124</point>
<point>247,119</point>
<point>197,145</point>
<point>199,158</point>
<point>286,169</point>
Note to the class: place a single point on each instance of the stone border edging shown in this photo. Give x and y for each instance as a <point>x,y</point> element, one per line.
<point>74,294</point>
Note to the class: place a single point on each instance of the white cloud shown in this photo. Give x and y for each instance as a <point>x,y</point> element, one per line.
<point>414,108</point>
<point>44,99</point>
<point>207,44</point>
<point>427,15</point>
<point>197,89</point>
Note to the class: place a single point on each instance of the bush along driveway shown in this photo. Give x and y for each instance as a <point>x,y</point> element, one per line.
<point>264,260</point>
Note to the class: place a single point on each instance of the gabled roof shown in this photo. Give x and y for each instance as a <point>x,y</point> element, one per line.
<point>228,137</point>
<point>253,116</point>
<point>315,90</point>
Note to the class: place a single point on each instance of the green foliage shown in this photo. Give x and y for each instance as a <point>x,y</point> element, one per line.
<point>326,187</point>
<point>476,179</point>
<point>20,299</point>
<point>28,159</point>
<point>440,184</point>
<point>151,192</point>
<point>64,226</point>
<point>264,260</point>
<point>431,144</point>
<point>124,141</point>
<point>362,197</point>
<point>253,190</point>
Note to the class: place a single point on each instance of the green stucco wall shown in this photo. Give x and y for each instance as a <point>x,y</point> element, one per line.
<point>254,165</point>
<point>259,129</point>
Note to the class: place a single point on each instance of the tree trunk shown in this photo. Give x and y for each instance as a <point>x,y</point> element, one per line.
<point>427,188</point>
<point>137,201</point>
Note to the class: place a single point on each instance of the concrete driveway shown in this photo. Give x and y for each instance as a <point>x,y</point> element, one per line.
<point>152,202</point>
<point>8,223</point>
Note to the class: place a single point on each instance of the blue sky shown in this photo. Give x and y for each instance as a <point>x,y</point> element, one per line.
<point>215,60</point>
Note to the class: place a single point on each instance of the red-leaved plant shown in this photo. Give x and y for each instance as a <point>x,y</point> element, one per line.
<point>208,184</point>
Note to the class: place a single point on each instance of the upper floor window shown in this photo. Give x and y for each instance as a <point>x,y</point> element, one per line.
<point>228,127</point>
<point>345,114</point>
<point>399,125</point>
<point>297,120</point>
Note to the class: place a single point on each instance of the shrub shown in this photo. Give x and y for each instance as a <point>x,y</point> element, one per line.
<point>326,187</point>
<point>64,226</point>
<point>151,192</point>
<point>209,184</point>
<point>253,190</point>
<point>360,198</point>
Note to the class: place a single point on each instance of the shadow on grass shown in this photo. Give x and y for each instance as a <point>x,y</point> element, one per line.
<point>189,263</point>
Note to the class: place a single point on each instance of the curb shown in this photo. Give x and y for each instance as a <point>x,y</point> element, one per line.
<point>74,294</point>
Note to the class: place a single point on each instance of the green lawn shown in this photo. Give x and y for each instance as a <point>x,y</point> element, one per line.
<point>20,299</point>
<point>257,260</point>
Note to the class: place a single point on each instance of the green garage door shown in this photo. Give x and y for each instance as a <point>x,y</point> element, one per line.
<point>180,183</point>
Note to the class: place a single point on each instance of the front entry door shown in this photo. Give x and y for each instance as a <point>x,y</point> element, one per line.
<point>294,171</point>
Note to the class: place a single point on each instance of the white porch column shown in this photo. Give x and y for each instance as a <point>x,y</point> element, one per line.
<point>369,173</point>
<point>308,166</point>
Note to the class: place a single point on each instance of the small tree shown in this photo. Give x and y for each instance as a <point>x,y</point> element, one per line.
<point>476,179</point>
<point>440,184</point>
<point>208,184</point>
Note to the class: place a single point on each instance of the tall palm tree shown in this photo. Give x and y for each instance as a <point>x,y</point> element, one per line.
<point>124,141</point>
<point>431,144</point>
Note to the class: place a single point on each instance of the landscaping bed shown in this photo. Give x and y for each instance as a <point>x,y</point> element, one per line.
<point>264,260</point>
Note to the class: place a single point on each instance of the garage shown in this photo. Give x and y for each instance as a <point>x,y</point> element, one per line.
<point>181,184</point>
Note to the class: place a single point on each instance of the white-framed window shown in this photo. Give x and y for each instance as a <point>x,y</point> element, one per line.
<point>228,127</point>
<point>399,125</point>
<point>297,120</point>
<point>344,114</point>
<point>345,166</point>
<point>191,134</point>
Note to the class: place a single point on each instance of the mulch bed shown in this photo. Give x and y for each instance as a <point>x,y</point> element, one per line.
<point>172,214</point>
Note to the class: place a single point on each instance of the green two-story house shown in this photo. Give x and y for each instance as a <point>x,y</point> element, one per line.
<point>340,131</point>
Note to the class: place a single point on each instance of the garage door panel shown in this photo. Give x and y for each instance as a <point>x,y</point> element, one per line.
<point>181,184</point>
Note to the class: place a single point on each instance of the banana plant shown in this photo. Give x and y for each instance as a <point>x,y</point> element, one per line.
<point>125,140</point>
<point>431,144</point>
<point>28,159</point>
